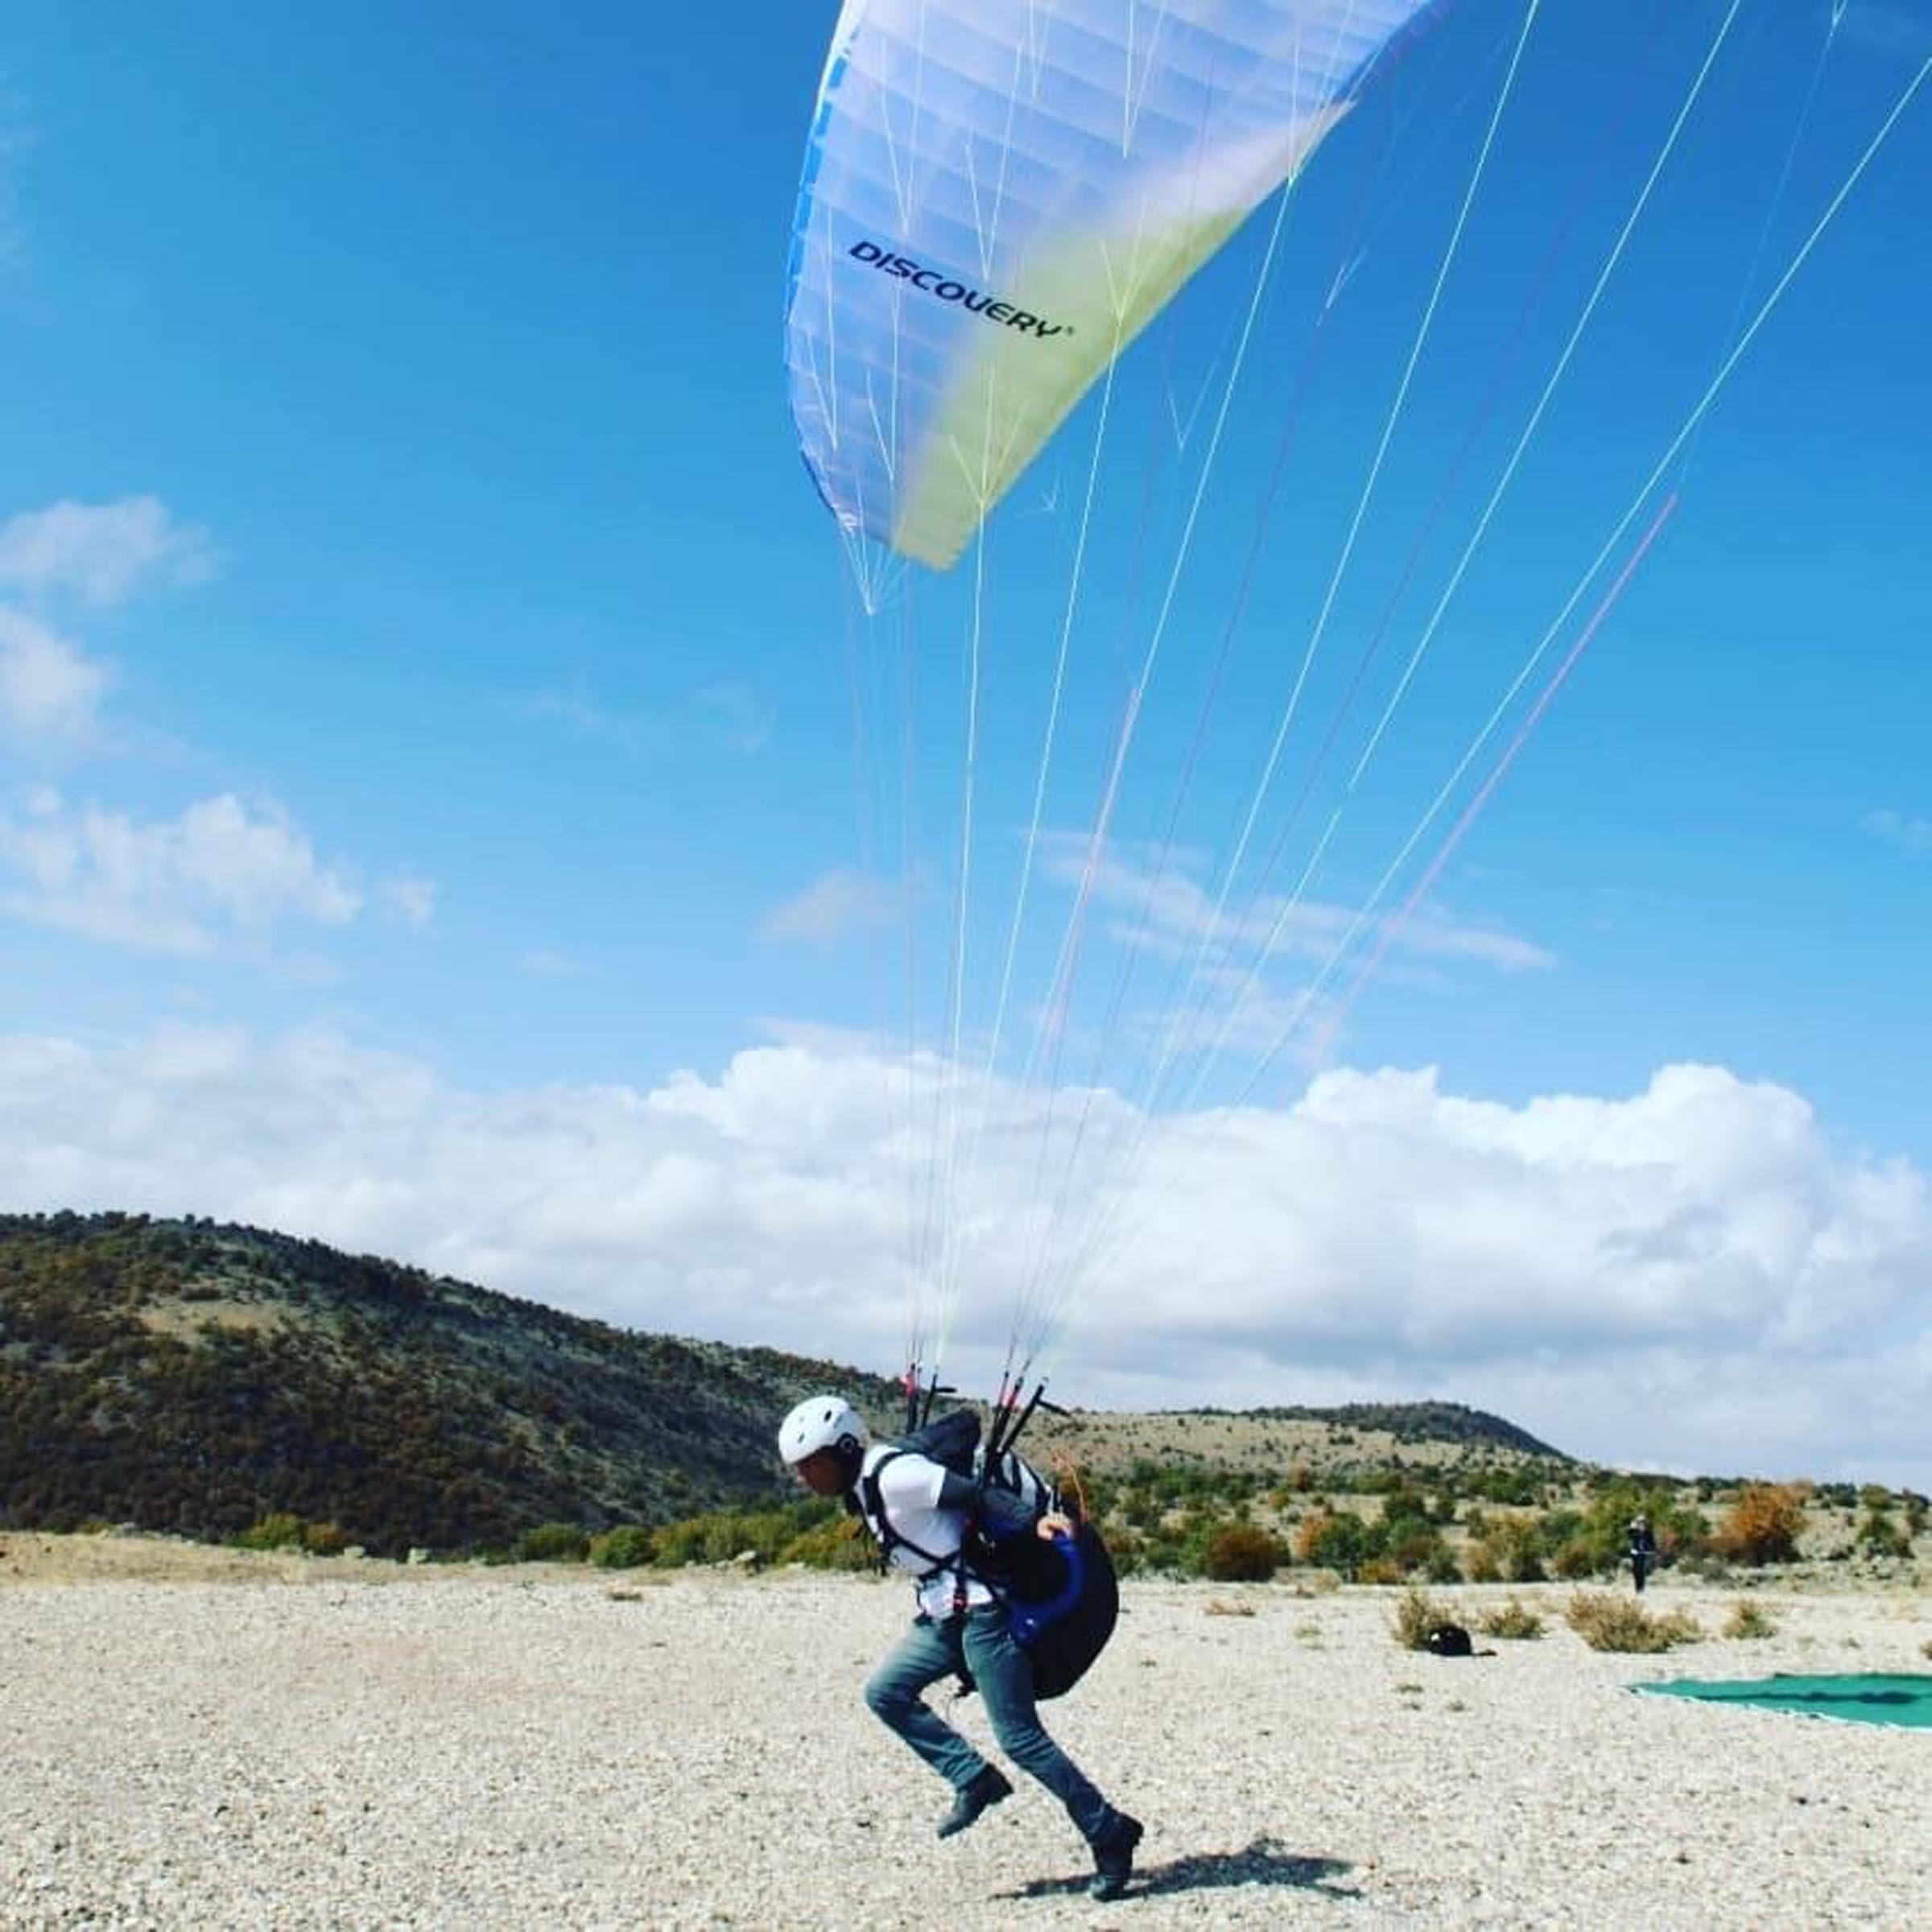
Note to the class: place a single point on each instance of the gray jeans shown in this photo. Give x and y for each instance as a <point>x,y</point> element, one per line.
<point>981,1640</point>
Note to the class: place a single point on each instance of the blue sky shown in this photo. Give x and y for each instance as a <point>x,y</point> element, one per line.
<point>429,811</point>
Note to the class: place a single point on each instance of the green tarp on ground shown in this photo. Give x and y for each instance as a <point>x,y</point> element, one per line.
<point>1867,1699</point>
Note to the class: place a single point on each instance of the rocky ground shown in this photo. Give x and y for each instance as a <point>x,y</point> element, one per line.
<point>214,1738</point>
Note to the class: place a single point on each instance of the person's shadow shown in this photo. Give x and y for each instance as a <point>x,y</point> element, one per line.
<point>1265,1862</point>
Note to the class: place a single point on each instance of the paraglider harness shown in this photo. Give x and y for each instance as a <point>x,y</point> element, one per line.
<point>1060,1596</point>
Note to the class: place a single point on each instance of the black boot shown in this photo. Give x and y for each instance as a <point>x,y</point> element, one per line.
<point>987,1788</point>
<point>1113,1855</point>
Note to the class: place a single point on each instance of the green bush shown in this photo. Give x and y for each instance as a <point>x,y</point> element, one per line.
<point>1342,1542</point>
<point>838,1543</point>
<point>1880,1535</point>
<point>550,1543</point>
<point>628,1547</point>
<point>769,1534</point>
<point>278,1530</point>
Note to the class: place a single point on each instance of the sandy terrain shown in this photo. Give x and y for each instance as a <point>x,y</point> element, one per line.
<point>208,1738</point>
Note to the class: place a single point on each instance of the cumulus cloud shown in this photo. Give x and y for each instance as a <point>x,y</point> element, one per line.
<point>51,690</point>
<point>102,553</point>
<point>1689,1276</point>
<point>170,886</point>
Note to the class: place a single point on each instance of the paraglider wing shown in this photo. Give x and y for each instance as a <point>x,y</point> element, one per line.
<point>999,194</point>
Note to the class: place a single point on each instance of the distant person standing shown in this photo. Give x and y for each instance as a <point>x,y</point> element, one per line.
<point>1643,1550</point>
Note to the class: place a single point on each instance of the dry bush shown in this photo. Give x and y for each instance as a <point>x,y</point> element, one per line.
<point>1762,1524</point>
<point>1747,1618</point>
<point>1417,1613</point>
<point>1514,1619</point>
<point>1507,1551</point>
<point>1606,1621</point>
<point>1240,1553</point>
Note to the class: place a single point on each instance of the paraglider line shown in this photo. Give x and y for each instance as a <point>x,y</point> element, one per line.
<point>1392,928</point>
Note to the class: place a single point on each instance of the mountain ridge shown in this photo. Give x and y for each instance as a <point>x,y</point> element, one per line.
<point>195,1376</point>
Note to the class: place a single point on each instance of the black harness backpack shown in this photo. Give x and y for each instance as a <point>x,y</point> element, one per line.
<point>1061,1596</point>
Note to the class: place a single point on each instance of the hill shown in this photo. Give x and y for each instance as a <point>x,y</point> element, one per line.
<point>188,1377</point>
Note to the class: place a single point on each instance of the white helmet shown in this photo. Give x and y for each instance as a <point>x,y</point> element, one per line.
<point>822,1422</point>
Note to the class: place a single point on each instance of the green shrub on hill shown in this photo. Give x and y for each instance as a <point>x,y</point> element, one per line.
<point>723,1536</point>
<point>551,1543</point>
<point>840,1542</point>
<point>278,1531</point>
<point>627,1546</point>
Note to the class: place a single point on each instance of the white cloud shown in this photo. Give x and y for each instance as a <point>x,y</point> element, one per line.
<point>1269,973</point>
<point>573,707</point>
<point>1898,828</point>
<point>409,900</point>
<point>841,903</point>
<point>729,716</point>
<point>733,714</point>
<point>1691,1276</point>
<point>170,886</point>
<point>51,690</point>
<point>1169,914</point>
<point>544,965</point>
<point>102,553</point>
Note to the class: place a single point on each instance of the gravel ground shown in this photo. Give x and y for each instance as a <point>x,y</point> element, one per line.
<point>271,1742</point>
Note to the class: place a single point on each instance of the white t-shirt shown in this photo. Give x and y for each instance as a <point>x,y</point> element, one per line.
<point>908,1491</point>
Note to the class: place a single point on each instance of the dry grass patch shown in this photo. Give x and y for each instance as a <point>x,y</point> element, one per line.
<point>1747,1618</point>
<point>1607,1622</point>
<point>1417,1613</point>
<point>1514,1619</point>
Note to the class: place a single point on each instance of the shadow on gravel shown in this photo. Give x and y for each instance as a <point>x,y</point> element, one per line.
<point>1263,1862</point>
